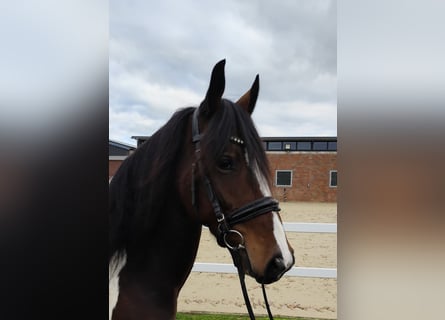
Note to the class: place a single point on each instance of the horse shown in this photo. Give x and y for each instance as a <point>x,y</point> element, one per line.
<point>206,166</point>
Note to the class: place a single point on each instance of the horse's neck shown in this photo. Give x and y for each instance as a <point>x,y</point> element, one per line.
<point>171,251</point>
<point>178,244</point>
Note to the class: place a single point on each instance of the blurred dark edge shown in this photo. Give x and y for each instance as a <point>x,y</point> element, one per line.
<point>391,138</point>
<point>54,232</point>
<point>54,188</point>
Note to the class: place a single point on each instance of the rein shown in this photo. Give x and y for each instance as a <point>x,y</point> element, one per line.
<point>240,215</point>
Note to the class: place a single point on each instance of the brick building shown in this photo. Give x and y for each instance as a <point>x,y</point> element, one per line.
<point>117,152</point>
<point>303,168</point>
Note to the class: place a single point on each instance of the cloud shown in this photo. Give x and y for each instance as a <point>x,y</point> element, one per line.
<point>162,53</point>
<point>295,118</point>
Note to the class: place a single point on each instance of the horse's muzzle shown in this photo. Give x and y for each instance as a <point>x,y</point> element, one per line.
<point>275,269</point>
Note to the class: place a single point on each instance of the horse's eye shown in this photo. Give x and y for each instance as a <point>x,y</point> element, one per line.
<point>225,164</point>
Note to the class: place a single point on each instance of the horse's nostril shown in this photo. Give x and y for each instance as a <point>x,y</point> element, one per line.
<point>278,262</point>
<point>274,269</point>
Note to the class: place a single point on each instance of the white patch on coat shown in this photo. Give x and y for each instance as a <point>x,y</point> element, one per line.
<point>113,283</point>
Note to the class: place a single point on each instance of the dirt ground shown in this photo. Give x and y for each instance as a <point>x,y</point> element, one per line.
<point>291,296</point>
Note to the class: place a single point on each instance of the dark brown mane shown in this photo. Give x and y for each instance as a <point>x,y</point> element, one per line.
<point>141,188</point>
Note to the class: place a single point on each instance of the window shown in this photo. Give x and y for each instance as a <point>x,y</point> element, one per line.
<point>289,146</point>
<point>320,146</point>
<point>274,145</point>
<point>332,145</point>
<point>333,178</point>
<point>304,146</point>
<point>283,178</point>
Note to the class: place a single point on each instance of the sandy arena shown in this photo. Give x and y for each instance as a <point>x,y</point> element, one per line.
<point>291,296</point>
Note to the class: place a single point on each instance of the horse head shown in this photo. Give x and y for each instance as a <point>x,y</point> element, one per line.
<point>231,183</point>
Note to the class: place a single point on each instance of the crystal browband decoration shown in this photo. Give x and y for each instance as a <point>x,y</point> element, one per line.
<point>236,140</point>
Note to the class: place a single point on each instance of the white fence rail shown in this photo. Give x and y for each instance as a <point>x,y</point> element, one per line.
<point>295,271</point>
<point>310,227</point>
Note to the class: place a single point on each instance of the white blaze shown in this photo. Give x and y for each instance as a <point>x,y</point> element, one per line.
<point>278,229</point>
<point>280,237</point>
<point>262,181</point>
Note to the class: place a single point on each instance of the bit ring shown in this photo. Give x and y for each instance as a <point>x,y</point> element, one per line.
<point>228,245</point>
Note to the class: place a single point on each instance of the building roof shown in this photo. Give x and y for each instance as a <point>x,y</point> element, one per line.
<point>286,143</point>
<point>269,138</point>
<point>140,137</point>
<point>121,145</point>
<point>290,139</point>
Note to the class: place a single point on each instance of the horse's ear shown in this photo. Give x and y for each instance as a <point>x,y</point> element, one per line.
<point>248,100</point>
<point>217,84</point>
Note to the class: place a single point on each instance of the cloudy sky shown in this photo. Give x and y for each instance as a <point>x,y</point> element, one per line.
<point>162,54</point>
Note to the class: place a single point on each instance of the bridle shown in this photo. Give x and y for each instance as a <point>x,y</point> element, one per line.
<point>225,223</point>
